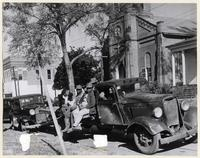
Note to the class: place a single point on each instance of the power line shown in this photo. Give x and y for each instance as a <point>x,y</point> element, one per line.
<point>185,13</point>
<point>77,39</point>
<point>172,21</point>
<point>156,7</point>
<point>85,43</point>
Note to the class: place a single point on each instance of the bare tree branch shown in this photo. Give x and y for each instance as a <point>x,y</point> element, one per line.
<point>72,23</point>
<point>93,48</point>
<point>53,32</point>
<point>105,30</point>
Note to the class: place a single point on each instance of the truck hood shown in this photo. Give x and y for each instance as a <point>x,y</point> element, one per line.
<point>144,97</point>
<point>32,106</point>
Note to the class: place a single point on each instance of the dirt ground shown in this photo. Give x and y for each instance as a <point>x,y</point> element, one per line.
<point>45,142</point>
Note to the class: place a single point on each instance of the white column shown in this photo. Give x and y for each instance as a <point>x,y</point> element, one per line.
<point>183,67</point>
<point>146,74</point>
<point>116,72</point>
<point>145,66</point>
<point>173,70</point>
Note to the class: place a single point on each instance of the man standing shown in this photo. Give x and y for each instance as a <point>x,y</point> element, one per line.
<point>65,108</point>
<point>91,98</point>
<point>94,82</point>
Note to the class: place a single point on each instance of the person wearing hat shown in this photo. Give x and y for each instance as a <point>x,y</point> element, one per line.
<point>93,81</point>
<point>86,105</point>
<point>79,93</point>
<point>81,102</point>
<point>91,98</point>
<point>63,99</point>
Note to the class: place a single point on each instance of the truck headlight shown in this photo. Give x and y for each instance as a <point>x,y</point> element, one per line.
<point>157,112</point>
<point>32,112</point>
<point>185,105</point>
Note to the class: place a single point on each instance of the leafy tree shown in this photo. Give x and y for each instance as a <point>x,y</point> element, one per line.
<point>101,27</point>
<point>84,69</point>
<point>29,39</point>
<point>42,22</point>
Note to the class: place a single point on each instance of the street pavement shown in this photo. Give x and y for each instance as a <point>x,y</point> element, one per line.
<point>45,142</point>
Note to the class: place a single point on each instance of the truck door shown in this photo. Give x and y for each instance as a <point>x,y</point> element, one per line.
<point>107,106</point>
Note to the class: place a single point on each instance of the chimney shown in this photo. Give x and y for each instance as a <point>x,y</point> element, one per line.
<point>160,26</point>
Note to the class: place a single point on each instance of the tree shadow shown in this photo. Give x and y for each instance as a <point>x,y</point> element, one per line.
<point>127,141</point>
<point>114,136</point>
<point>74,136</point>
<point>5,129</point>
<point>174,145</point>
<point>46,129</point>
<point>57,152</point>
<point>71,137</point>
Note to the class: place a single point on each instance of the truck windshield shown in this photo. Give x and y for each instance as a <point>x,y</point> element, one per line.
<point>31,100</point>
<point>124,90</point>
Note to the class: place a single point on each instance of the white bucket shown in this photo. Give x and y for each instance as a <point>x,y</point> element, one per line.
<point>100,141</point>
<point>25,141</point>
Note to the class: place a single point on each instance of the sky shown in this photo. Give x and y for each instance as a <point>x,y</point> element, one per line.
<point>77,38</point>
<point>183,10</point>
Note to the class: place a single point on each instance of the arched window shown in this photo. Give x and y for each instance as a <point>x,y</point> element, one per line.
<point>147,61</point>
<point>122,71</point>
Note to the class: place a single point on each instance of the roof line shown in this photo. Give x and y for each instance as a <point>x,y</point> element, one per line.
<point>182,35</point>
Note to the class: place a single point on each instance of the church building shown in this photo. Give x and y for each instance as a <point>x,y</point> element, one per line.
<point>139,46</point>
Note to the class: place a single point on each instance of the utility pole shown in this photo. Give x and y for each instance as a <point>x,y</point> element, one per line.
<point>58,131</point>
<point>18,86</point>
<point>41,86</point>
<point>14,78</point>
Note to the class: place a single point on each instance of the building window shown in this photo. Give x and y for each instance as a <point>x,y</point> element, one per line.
<point>20,76</point>
<point>24,75</point>
<point>49,74</point>
<point>118,31</point>
<point>37,72</point>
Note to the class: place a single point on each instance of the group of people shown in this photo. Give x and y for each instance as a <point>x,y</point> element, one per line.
<point>78,104</point>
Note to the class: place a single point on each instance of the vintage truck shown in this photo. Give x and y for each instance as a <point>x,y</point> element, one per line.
<point>149,119</point>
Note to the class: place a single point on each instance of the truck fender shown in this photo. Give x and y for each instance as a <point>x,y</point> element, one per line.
<point>153,126</point>
<point>190,117</point>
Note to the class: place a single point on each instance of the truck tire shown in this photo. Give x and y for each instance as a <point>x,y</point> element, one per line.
<point>145,142</point>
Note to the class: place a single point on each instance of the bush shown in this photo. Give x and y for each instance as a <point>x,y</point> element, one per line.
<point>160,89</point>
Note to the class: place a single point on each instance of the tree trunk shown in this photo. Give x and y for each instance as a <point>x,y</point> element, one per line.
<point>55,121</point>
<point>68,65</point>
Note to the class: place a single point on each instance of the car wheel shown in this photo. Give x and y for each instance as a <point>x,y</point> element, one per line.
<point>15,124</point>
<point>145,142</point>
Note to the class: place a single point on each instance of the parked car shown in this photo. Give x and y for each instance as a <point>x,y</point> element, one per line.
<point>6,109</point>
<point>149,119</point>
<point>29,111</point>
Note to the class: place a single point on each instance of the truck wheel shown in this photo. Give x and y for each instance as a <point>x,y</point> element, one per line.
<point>104,129</point>
<point>192,139</point>
<point>195,139</point>
<point>145,142</point>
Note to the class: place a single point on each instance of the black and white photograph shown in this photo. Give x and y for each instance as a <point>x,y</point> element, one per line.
<point>99,79</point>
